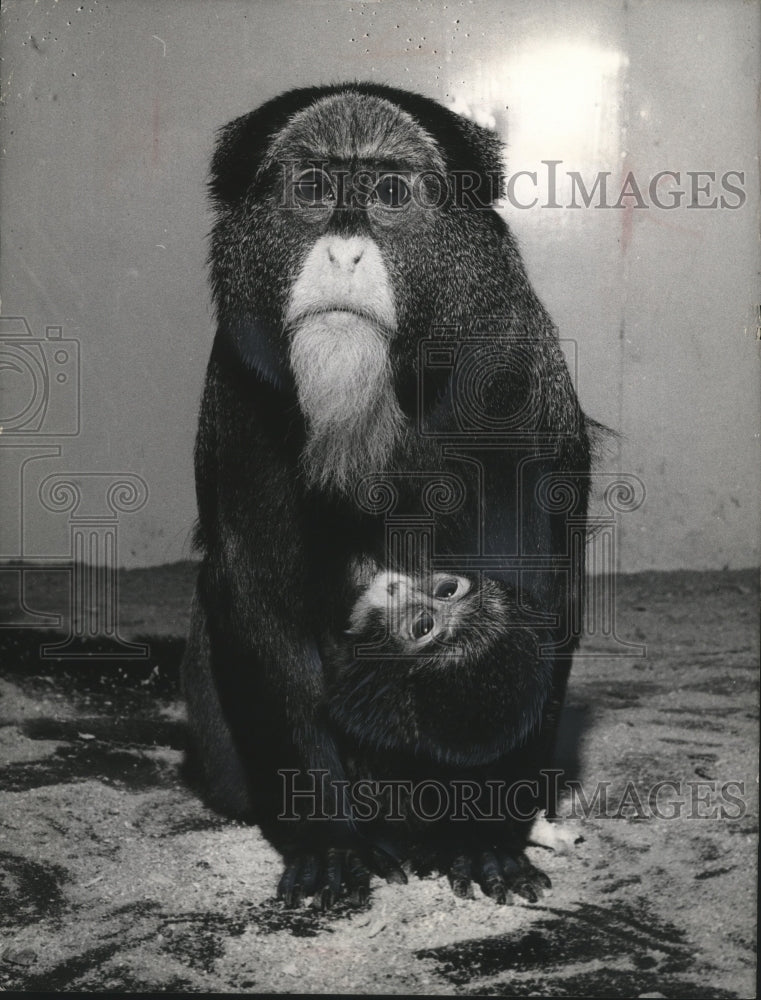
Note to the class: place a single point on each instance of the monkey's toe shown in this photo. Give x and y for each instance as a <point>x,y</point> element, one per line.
<point>297,880</point>
<point>522,878</point>
<point>357,879</point>
<point>489,876</point>
<point>326,877</point>
<point>329,880</point>
<point>499,874</point>
<point>387,866</point>
<point>460,875</point>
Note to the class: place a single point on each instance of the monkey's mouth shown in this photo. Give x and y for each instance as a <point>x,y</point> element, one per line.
<point>337,309</point>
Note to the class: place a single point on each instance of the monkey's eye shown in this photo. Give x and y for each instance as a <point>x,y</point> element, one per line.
<point>445,589</point>
<point>313,188</point>
<point>450,588</point>
<point>422,626</point>
<point>392,191</point>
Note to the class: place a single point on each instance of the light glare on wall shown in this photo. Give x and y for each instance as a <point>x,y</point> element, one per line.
<point>564,101</point>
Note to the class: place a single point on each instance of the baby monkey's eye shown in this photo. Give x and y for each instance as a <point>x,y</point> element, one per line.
<point>445,589</point>
<point>422,626</point>
<point>313,187</point>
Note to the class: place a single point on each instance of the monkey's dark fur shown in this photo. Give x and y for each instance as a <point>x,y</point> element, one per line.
<point>317,382</point>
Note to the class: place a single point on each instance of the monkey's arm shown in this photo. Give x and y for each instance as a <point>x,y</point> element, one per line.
<point>252,674</point>
<point>252,586</point>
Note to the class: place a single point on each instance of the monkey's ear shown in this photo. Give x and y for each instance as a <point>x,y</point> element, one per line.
<point>242,143</point>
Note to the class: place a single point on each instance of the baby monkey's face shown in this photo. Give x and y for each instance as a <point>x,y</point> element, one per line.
<point>414,611</point>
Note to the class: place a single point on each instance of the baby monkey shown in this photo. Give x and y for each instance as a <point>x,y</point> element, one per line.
<point>423,616</point>
<point>445,665</point>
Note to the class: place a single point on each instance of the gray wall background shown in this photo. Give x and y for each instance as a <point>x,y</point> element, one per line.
<point>108,117</point>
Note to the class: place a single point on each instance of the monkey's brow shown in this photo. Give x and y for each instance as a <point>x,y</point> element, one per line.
<point>362,164</point>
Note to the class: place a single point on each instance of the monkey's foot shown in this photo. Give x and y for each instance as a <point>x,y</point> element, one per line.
<point>499,874</point>
<point>333,874</point>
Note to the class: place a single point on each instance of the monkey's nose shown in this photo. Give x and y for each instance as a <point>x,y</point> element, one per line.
<point>345,254</point>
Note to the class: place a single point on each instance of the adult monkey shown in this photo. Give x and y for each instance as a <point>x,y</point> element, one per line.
<point>354,223</point>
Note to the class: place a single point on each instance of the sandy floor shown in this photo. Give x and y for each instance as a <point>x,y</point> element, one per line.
<point>113,876</point>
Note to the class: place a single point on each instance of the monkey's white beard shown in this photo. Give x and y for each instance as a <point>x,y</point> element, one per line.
<point>342,370</point>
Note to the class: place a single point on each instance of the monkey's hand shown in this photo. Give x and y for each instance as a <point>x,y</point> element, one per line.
<point>335,873</point>
<point>499,873</point>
